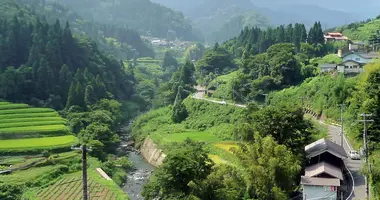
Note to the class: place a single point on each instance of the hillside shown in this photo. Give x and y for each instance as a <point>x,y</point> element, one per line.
<point>308,14</point>
<point>369,8</point>
<point>142,15</point>
<point>118,40</point>
<point>361,31</point>
<point>218,20</point>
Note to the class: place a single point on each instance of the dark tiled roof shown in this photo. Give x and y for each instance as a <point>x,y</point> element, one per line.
<point>323,167</point>
<point>324,145</point>
<point>320,181</point>
<point>370,55</point>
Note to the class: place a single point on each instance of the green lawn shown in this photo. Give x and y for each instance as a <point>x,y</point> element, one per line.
<point>37,142</point>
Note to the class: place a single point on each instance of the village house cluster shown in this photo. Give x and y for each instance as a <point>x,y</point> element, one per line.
<point>176,44</point>
<point>354,56</point>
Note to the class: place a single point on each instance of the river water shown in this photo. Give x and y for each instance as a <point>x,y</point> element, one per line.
<point>141,171</point>
<point>138,177</point>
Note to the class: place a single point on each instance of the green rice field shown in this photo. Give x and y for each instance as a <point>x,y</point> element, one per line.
<point>66,140</point>
<point>23,127</point>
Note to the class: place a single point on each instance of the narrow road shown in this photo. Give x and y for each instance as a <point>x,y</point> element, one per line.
<point>201,93</point>
<point>353,165</point>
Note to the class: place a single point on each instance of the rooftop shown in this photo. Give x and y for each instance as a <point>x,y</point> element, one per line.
<point>370,55</point>
<point>326,65</point>
<point>323,145</point>
<point>320,181</point>
<point>323,167</point>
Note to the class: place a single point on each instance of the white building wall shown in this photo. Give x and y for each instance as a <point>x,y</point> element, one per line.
<point>318,193</point>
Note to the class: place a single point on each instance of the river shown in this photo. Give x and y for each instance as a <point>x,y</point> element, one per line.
<point>136,178</point>
<point>141,171</point>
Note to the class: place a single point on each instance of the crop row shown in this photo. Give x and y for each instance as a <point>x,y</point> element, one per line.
<point>30,124</point>
<point>26,110</point>
<point>33,131</point>
<point>13,106</point>
<point>4,103</point>
<point>31,119</point>
<point>71,188</point>
<point>28,115</point>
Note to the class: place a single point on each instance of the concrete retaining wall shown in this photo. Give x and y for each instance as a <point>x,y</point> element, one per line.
<point>149,150</point>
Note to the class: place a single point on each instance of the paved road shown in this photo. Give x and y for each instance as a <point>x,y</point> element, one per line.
<point>200,95</point>
<point>353,165</point>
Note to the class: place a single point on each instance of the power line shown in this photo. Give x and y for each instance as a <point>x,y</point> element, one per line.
<point>365,146</point>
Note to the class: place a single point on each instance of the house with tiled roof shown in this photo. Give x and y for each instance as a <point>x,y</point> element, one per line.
<point>323,177</point>
<point>353,62</point>
<point>334,36</point>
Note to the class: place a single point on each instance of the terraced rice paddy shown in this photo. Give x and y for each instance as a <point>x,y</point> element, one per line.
<point>47,142</point>
<point>71,188</point>
<point>23,127</point>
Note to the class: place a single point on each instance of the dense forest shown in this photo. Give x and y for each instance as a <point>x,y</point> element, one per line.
<point>157,20</point>
<point>118,40</point>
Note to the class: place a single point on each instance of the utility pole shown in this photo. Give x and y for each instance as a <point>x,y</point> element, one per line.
<point>365,146</point>
<point>84,168</point>
<point>341,121</point>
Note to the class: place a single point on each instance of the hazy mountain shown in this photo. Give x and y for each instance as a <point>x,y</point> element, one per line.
<point>212,15</point>
<point>308,14</point>
<point>218,20</point>
<point>141,15</point>
<point>364,8</point>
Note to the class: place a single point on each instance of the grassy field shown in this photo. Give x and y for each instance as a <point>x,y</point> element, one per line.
<point>38,142</point>
<point>25,128</point>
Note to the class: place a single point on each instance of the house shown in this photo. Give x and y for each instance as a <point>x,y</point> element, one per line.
<point>320,188</point>
<point>327,151</point>
<point>353,62</point>
<point>332,37</point>
<point>324,172</point>
<point>327,67</point>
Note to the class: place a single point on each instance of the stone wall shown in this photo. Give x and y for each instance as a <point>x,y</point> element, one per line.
<point>149,150</point>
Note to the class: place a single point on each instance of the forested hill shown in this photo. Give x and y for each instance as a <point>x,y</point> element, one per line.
<point>118,40</point>
<point>361,31</point>
<point>43,64</point>
<point>218,20</point>
<point>141,15</point>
